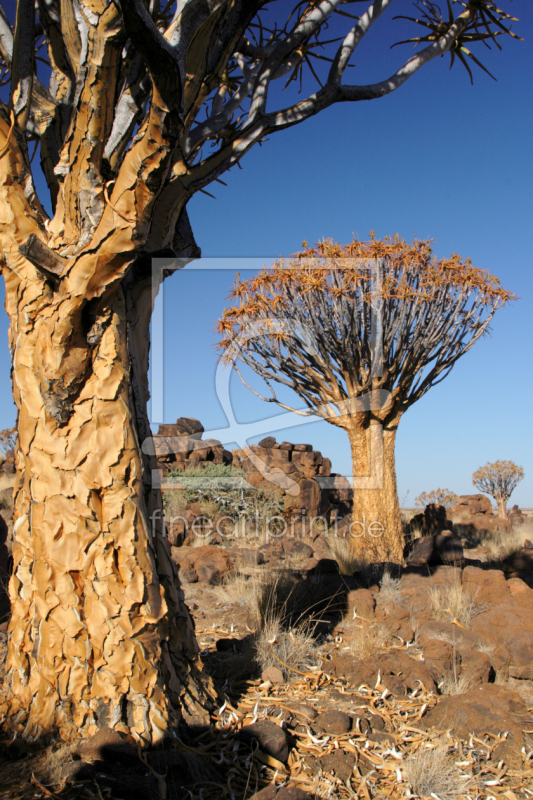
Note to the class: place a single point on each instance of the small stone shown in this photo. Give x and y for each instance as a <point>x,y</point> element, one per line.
<point>270,738</point>
<point>335,722</point>
<point>338,762</point>
<point>274,675</point>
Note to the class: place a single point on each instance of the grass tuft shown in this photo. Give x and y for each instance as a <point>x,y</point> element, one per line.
<point>432,772</point>
<point>452,601</point>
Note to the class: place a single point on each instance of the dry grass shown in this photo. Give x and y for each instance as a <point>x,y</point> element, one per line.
<point>284,624</point>
<point>433,772</point>
<point>456,684</point>
<point>348,563</point>
<point>174,502</point>
<point>452,601</point>
<point>500,544</point>
<point>58,760</point>
<point>523,687</point>
<point>390,588</point>
<point>367,637</point>
<point>293,650</point>
<point>242,590</point>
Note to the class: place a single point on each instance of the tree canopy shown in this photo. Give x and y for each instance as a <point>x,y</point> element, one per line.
<point>499,480</point>
<point>338,323</point>
<point>136,105</point>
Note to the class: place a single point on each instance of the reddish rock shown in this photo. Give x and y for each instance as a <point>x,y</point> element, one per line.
<point>309,497</point>
<point>274,675</point>
<point>335,722</point>
<point>474,666</point>
<point>487,586</point>
<point>340,763</point>
<point>321,548</point>
<point>397,623</point>
<point>521,561</point>
<point>361,601</point>
<point>210,563</point>
<point>398,672</point>
<point>184,426</point>
<point>268,793</point>
<point>475,500</point>
<point>267,443</point>
<point>488,709</point>
<point>292,793</point>
<point>295,547</point>
<point>269,737</point>
<point>247,555</point>
<point>421,552</point>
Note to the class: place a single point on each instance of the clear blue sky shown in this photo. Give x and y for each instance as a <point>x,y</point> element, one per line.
<point>438,158</point>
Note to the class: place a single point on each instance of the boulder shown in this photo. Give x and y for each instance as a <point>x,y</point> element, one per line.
<point>268,442</point>
<point>268,736</point>
<point>184,426</point>
<point>321,548</point>
<point>398,672</point>
<point>361,601</point>
<point>246,555</point>
<point>488,709</point>
<point>295,547</point>
<point>439,548</point>
<point>210,563</point>
<point>476,500</point>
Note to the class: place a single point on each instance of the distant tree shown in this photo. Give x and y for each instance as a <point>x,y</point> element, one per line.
<point>440,497</point>
<point>360,333</point>
<point>133,107</point>
<point>8,438</point>
<point>498,480</point>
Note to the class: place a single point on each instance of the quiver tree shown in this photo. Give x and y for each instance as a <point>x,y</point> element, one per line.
<point>360,333</point>
<point>439,497</point>
<point>133,107</point>
<point>498,480</point>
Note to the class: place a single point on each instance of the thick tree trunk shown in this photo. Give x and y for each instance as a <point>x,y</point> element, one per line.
<point>502,508</point>
<point>99,633</point>
<point>376,530</point>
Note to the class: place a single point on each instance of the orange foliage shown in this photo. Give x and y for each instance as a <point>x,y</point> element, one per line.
<point>410,272</point>
<point>440,497</point>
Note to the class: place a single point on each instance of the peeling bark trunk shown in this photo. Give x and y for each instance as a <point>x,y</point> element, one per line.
<point>376,531</point>
<point>99,634</point>
<point>502,508</point>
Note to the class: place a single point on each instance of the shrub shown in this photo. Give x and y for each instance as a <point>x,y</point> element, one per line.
<point>452,601</point>
<point>433,773</point>
<point>440,497</point>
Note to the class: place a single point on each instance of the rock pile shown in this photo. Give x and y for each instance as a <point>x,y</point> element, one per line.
<point>303,473</point>
<point>298,472</point>
<point>180,446</point>
<point>473,515</point>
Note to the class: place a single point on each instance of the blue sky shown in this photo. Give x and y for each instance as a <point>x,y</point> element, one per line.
<point>438,158</point>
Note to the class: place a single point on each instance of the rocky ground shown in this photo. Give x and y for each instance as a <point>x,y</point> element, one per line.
<point>337,679</point>
<point>415,685</point>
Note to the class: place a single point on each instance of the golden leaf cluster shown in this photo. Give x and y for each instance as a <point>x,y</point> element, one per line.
<point>409,272</point>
